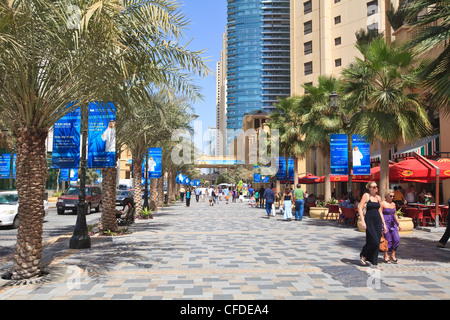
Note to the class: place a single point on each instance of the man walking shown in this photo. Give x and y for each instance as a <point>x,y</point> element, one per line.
<point>197,193</point>
<point>269,195</point>
<point>299,196</point>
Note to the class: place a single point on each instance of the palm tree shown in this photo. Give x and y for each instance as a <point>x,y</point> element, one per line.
<point>380,96</point>
<point>432,17</point>
<point>43,66</point>
<point>45,62</point>
<point>320,120</point>
<point>287,119</point>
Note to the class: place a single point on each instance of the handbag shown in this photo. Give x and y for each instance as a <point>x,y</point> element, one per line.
<point>383,243</point>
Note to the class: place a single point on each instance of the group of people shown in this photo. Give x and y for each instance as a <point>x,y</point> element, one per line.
<point>212,194</point>
<point>379,216</point>
<point>290,200</point>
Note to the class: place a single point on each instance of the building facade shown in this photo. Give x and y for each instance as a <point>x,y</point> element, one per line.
<point>258,59</point>
<point>323,35</point>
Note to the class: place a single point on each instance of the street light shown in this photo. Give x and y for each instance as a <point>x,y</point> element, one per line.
<point>334,104</point>
<point>80,238</point>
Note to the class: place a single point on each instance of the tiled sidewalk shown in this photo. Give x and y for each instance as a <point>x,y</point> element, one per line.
<point>233,252</point>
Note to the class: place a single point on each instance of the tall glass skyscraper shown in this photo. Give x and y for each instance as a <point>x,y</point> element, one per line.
<point>258,57</point>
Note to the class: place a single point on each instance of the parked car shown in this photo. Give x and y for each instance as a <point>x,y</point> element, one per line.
<point>124,197</point>
<point>69,199</point>
<point>9,203</point>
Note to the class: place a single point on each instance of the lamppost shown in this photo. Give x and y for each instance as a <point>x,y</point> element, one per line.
<point>334,104</point>
<point>80,238</point>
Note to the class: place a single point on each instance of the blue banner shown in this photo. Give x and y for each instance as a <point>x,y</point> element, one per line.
<point>281,173</point>
<point>360,155</point>
<point>102,135</point>
<point>5,165</point>
<point>256,176</point>
<point>154,163</point>
<point>66,141</point>
<point>64,175</point>
<point>339,154</point>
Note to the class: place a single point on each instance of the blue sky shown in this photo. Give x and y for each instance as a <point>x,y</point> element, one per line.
<point>208,21</point>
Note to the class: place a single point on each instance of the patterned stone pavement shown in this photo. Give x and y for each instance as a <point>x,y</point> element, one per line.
<point>233,252</point>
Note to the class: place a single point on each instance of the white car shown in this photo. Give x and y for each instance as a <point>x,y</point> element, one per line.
<point>9,203</point>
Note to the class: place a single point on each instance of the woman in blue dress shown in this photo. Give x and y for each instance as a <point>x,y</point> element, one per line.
<point>372,221</point>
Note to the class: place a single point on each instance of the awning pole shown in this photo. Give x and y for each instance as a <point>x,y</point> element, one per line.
<point>436,200</point>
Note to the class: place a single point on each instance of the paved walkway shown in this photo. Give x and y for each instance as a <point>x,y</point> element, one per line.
<point>232,251</point>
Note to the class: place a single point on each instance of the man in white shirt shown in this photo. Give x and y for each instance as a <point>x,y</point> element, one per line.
<point>211,196</point>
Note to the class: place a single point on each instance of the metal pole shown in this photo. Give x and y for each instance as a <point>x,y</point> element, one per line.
<point>146,181</point>
<point>80,238</point>
<point>436,200</point>
<point>350,164</point>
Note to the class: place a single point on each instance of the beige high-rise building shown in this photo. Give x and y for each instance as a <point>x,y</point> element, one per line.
<point>221,103</point>
<point>323,35</point>
<point>323,43</point>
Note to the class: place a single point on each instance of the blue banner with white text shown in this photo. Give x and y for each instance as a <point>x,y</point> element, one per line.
<point>102,135</point>
<point>338,154</point>
<point>66,141</point>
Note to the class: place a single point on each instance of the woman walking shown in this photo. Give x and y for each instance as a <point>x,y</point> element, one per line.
<point>188,197</point>
<point>372,221</point>
<point>287,204</point>
<point>389,210</point>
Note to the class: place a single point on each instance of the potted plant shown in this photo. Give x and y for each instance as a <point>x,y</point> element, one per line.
<point>319,211</point>
<point>405,223</point>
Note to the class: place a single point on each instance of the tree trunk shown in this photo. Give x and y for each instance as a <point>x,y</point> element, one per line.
<point>160,191</point>
<point>327,176</point>
<point>108,217</point>
<point>153,194</point>
<point>31,175</point>
<point>170,185</point>
<point>295,172</point>
<point>384,169</point>
<point>137,182</point>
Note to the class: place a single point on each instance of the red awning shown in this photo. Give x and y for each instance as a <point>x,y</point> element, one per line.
<point>416,170</point>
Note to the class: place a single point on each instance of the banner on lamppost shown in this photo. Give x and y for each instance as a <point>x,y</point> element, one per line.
<point>339,154</point>
<point>154,163</point>
<point>5,165</point>
<point>360,155</point>
<point>281,173</point>
<point>66,141</point>
<point>256,175</point>
<point>102,135</point>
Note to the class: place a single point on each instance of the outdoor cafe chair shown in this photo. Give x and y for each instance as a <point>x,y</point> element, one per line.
<point>348,213</point>
<point>415,214</point>
<point>444,214</point>
<point>433,216</point>
<point>333,208</point>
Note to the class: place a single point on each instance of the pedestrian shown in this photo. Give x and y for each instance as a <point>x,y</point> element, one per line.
<point>252,201</point>
<point>269,196</point>
<point>299,196</point>
<point>443,241</point>
<point>234,195</point>
<point>256,197</point>
<point>261,198</point>
<point>410,194</point>
<point>211,196</point>
<point>399,199</point>
<point>389,210</point>
<point>188,197</point>
<point>197,193</point>
<point>287,203</point>
<point>372,221</point>
<point>182,191</point>
<point>241,195</point>
<point>216,195</point>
